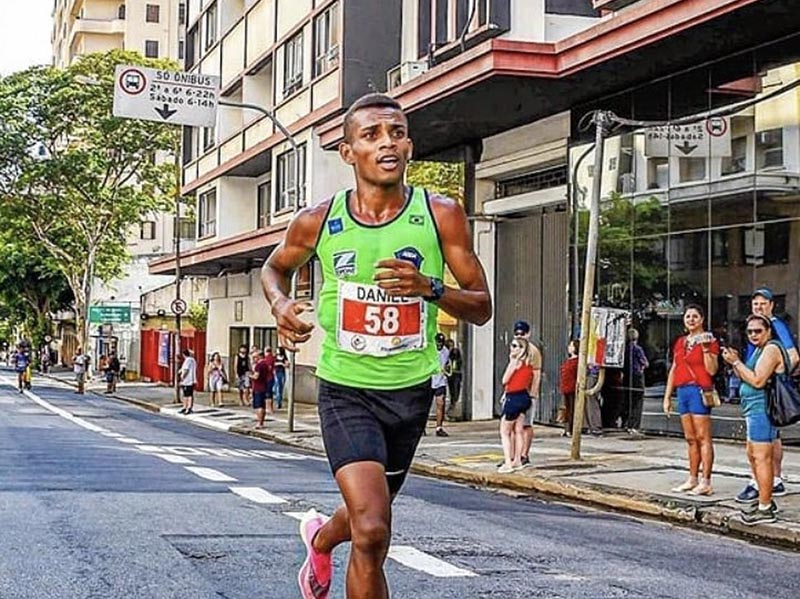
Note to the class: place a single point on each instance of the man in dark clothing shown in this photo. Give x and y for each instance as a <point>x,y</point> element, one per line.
<point>636,363</point>
<point>112,372</point>
<point>262,381</point>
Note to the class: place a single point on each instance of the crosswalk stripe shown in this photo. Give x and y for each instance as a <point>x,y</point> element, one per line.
<point>258,495</point>
<point>210,474</point>
<point>173,459</point>
<point>424,562</point>
<point>129,440</point>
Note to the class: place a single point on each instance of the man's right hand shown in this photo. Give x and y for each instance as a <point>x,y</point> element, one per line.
<point>292,330</point>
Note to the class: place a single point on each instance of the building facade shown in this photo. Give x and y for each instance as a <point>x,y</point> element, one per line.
<point>154,28</point>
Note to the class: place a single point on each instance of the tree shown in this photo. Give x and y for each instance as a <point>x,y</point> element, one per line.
<point>446,178</point>
<point>76,178</point>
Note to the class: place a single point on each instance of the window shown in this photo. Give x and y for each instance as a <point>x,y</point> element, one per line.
<point>769,148</point>
<point>191,44</point>
<point>737,161</point>
<point>691,169</point>
<point>326,41</point>
<point>262,216</point>
<point>293,65</point>
<point>541,179</point>
<point>304,287</point>
<point>187,228</point>
<point>287,189</point>
<point>767,244</point>
<point>424,28</point>
<point>182,13</point>
<point>151,49</point>
<point>121,11</point>
<point>208,138</point>
<point>211,26</point>
<point>657,173</point>
<point>207,214</point>
<point>265,337</point>
<point>147,230</point>
<point>181,49</point>
<point>152,13</point>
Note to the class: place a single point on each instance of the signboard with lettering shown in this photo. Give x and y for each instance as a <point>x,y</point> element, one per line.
<point>163,348</point>
<point>110,314</point>
<point>607,329</point>
<point>703,139</point>
<point>166,96</point>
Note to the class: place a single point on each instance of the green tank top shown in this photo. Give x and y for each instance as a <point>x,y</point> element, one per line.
<point>374,341</point>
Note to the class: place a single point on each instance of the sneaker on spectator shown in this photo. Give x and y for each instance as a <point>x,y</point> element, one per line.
<point>748,495</point>
<point>749,509</point>
<point>525,461</point>
<point>778,490</point>
<point>315,575</point>
<point>759,516</point>
<point>506,469</point>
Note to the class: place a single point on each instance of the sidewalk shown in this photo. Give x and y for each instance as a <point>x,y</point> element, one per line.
<point>619,472</point>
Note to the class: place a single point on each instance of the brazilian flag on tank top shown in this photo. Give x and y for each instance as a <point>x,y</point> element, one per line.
<point>372,340</point>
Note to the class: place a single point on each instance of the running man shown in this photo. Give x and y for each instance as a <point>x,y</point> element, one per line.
<point>22,362</point>
<point>763,303</point>
<point>382,248</point>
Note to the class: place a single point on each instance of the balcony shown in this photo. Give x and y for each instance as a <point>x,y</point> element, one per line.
<point>613,4</point>
<point>97,26</point>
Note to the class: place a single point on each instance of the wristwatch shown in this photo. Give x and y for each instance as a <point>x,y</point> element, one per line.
<point>437,290</point>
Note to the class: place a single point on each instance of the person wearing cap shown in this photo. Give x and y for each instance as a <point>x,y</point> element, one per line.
<point>439,384</point>
<point>762,302</point>
<point>522,330</point>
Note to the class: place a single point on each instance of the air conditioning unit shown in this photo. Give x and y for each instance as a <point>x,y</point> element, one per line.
<point>405,72</point>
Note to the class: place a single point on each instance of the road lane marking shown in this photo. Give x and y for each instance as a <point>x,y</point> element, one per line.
<point>298,515</point>
<point>173,459</point>
<point>258,495</point>
<point>129,440</point>
<point>424,562</point>
<point>150,448</point>
<point>111,434</point>
<point>211,474</point>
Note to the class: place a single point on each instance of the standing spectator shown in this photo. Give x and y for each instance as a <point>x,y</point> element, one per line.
<point>262,381</point>
<point>568,381</point>
<point>102,365</point>
<point>453,370</point>
<point>217,377</point>
<point>593,416</point>
<point>269,358</point>
<point>516,383</point>
<point>439,385</point>
<point>112,372</point>
<point>243,375</point>
<point>768,358</point>
<point>281,361</point>
<point>188,379</point>
<point>694,363</point>
<point>80,366</point>
<point>522,330</point>
<point>637,363</point>
<point>44,359</point>
<point>763,303</point>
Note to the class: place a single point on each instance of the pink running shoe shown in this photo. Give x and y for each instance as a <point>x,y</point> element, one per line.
<point>316,573</point>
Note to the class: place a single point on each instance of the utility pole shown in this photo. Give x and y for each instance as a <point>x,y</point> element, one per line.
<point>290,396</point>
<point>601,122</point>
<point>177,303</point>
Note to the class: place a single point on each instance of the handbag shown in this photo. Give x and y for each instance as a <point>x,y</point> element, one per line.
<point>783,396</point>
<point>711,397</point>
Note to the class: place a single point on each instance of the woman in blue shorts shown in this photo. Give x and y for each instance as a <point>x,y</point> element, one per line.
<point>694,363</point>
<point>517,380</point>
<point>767,359</point>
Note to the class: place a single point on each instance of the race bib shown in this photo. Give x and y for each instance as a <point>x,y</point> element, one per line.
<point>373,323</point>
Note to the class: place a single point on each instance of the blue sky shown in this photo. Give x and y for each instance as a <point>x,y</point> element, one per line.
<point>25,27</point>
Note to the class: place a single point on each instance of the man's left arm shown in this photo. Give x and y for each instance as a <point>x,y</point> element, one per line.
<point>536,362</point>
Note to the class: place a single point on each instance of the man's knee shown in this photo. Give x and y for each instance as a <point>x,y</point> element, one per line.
<point>370,534</point>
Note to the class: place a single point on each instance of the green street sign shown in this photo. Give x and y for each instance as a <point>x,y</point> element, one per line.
<point>110,314</point>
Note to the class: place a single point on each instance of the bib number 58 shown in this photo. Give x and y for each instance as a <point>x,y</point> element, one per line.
<point>382,320</point>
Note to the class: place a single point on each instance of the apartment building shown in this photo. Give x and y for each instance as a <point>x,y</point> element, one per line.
<point>154,28</point>
<point>504,85</point>
<point>306,61</point>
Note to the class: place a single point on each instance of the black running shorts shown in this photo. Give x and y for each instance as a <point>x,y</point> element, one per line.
<point>361,425</point>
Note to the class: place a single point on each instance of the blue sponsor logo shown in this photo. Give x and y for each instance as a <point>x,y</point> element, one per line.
<point>410,255</point>
<point>335,225</point>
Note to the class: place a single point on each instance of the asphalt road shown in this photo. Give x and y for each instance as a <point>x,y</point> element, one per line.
<point>99,499</point>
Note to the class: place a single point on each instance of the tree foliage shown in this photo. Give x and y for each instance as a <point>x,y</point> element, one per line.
<point>446,178</point>
<point>73,177</point>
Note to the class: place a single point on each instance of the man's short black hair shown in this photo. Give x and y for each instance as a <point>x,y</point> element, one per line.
<point>368,101</point>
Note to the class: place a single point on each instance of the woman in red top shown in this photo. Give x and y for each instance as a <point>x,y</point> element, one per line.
<point>517,381</point>
<point>694,363</point>
<point>567,383</point>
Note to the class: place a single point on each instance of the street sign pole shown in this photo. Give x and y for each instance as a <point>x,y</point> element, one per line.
<point>177,236</point>
<point>601,121</point>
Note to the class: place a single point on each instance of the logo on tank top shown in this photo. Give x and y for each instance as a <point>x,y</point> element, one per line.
<point>411,255</point>
<point>335,225</point>
<point>344,263</point>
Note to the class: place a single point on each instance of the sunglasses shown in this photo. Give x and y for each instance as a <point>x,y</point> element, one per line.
<point>515,345</point>
<point>755,331</point>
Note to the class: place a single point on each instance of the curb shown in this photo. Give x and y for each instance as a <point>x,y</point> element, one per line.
<point>718,520</point>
